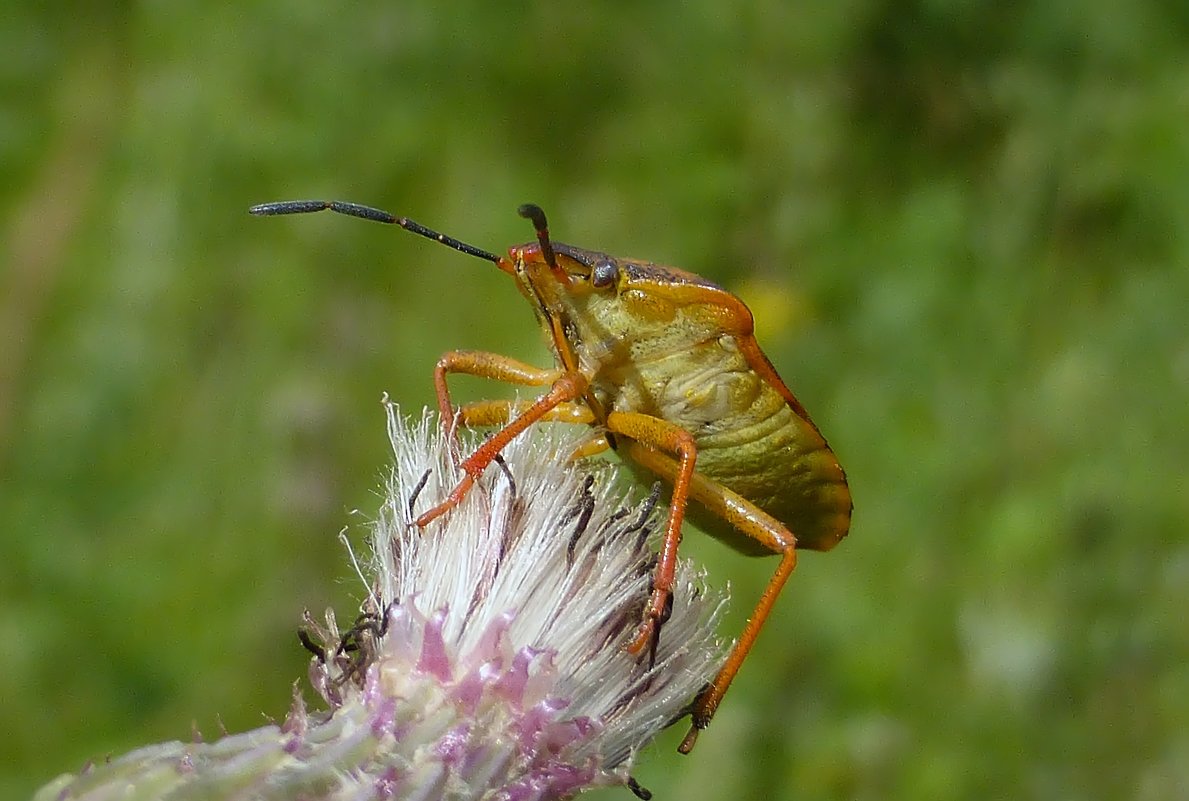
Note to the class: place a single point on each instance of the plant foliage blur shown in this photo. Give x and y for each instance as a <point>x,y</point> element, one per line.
<point>961,226</point>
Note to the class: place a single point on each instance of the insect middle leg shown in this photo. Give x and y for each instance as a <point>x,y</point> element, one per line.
<point>499,412</point>
<point>484,413</point>
<point>660,434</point>
<point>749,519</point>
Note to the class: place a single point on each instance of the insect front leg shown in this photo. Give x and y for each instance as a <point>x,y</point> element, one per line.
<point>567,388</point>
<point>484,365</point>
<point>749,519</point>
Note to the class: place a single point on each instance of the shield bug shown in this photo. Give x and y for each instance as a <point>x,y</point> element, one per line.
<point>664,365</point>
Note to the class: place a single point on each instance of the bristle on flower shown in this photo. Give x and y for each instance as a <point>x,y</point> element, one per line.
<point>489,659</point>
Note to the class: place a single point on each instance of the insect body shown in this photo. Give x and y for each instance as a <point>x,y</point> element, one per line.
<point>664,365</point>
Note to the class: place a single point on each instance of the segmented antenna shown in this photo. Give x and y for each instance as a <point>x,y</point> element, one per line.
<point>375,215</point>
<point>533,212</point>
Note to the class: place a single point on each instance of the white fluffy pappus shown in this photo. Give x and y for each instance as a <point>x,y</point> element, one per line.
<point>489,661</point>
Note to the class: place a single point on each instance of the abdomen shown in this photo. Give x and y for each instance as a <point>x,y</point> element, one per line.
<point>755,444</point>
<point>779,462</point>
<point>749,439</point>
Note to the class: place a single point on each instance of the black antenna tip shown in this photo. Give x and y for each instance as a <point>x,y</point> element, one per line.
<point>531,211</point>
<point>269,209</point>
<point>291,207</point>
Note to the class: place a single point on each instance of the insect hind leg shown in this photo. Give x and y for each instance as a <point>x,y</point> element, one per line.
<point>752,521</point>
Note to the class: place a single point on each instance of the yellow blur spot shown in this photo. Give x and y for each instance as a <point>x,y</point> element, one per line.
<point>778,307</point>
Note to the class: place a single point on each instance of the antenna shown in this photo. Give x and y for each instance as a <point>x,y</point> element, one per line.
<point>376,215</point>
<point>533,212</point>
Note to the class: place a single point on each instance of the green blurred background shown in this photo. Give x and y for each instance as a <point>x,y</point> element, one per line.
<point>962,227</point>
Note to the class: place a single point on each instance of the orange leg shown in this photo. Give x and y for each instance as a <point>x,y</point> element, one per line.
<point>748,518</point>
<point>567,388</point>
<point>591,447</point>
<point>484,365</point>
<point>499,412</point>
<point>657,433</point>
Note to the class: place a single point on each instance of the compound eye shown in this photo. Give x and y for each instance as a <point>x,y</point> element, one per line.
<point>605,273</point>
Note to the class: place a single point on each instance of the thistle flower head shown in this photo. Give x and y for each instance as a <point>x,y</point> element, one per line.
<point>489,660</point>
